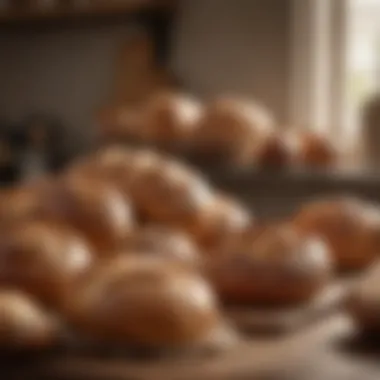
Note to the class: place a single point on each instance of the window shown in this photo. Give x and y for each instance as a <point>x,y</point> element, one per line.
<point>362,59</point>
<point>335,62</point>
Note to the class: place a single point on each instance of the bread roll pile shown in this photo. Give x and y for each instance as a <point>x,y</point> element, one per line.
<point>228,130</point>
<point>113,251</point>
<point>130,247</point>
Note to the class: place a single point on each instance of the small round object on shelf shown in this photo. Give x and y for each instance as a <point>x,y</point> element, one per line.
<point>350,227</point>
<point>312,150</point>
<point>96,209</point>
<point>231,129</point>
<point>44,260</point>
<point>147,302</point>
<point>278,267</point>
<point>273,152</point>
<point>165,242</point>
<point>24,324</point>
<point>171,118</point>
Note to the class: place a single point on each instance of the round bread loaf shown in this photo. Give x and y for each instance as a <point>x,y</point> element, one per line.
<point>142,301</point>
<point>44,260</point>
<point>171,118</point>
<point>277,267</point>
<point>94,208</point>
<point>273,152</point>
<point>350,227</point>
<point>23,324</point>
<point>23,202</point>
<point>312,150</point>
<point>172,194</point>
<point>231,129</point>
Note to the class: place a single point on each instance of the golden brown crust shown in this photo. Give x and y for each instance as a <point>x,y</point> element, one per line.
<point>172,194</point>
<point>274,152</point>
<point>171,118</point>
<point>312,150</point>
<point>23,202</point>
<point>44,260</point>
<point>221,224</point>
<point>94,208</point>
<point>276,267</point>
<point>145,301</point>
<point>165,242</point>
<point>232,128</point>
<point>349,226</point>
<point>23,324</point>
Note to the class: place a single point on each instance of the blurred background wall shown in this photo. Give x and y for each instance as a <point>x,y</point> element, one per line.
<point>68,72</point>
<point>238,46</point>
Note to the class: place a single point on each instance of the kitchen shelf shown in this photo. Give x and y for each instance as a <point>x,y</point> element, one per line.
<point>278,194</point>
<point>61,14</point>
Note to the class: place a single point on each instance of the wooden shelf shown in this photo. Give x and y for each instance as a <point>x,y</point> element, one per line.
<point>24,17</point>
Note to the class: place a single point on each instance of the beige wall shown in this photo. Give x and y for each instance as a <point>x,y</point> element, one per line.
<point>221,46</point>
<point>237,46</point>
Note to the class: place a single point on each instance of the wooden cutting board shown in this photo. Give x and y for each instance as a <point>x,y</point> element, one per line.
<point>328,350</point>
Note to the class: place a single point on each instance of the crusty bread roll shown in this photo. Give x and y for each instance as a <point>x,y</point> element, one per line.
<point>121,166</point>
<point>349,226</point>
<point>231,128</point>
<point>145,302</point>
<point>94,208</point>
<point>23,202</point>
<point>221,224</point>
<point>44,260</point>
<point>278,267</point>
<point>273,152</point>
<point>23,324</point>
<point>172,193</point>
<point>312,150</point>
<point>364,301</point>
<point>171,118</point>
<point>165,242</point>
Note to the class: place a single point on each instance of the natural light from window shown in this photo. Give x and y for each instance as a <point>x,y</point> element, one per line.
<point>363,58</point>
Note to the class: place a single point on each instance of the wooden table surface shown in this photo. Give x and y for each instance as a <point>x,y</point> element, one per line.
<point>328,350</point>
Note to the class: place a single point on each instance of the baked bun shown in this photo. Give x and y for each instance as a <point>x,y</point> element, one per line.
<point>350,227</point>
<point>118,165</point>
<point>142,301</point>
<point>312,150</point>
<point>221,224</point>
<point>164,242</point>
<point>44,260</point>
<point>278,267</point>
<point>171,118</point>
<point>23,324</point>
<point>231,129</point>
<point>94,208</point>
<point>172,194</point>
<point>364,301</point>
<point>273,152</point>
<point>23,202</point>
